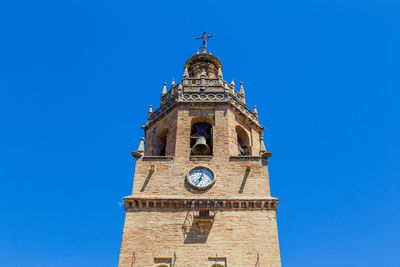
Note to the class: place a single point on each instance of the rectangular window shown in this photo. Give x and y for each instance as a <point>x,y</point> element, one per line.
<point>162,262</point>
<point>217,262</point>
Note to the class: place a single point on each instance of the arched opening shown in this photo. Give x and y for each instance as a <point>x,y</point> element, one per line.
<point>243,142</point>
<point>201,139</point>
<point>160,143</point>
<point>217,265</point>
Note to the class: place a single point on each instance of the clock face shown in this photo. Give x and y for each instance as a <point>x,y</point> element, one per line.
<point>200,177</point>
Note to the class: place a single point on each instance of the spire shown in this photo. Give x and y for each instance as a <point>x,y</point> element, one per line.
<point>226,86</point>
<point>164,90</point>
<point>220,72</point>
<point>179,86</point>
<point>263,150</point>
<point>241,89</point>
<point>255,112</point>
<point>141,146</point>
<point>173,83</point>
<point>233,82</point>
<point>140,151</point>
<point>150,112</point>
<point>262,146</point>
<point>186,73</point>
<point>241,93</point>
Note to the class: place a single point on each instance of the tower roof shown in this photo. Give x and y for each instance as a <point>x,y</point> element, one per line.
<point>203,58</point>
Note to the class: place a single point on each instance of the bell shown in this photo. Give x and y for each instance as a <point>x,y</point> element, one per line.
<point>201,147</point>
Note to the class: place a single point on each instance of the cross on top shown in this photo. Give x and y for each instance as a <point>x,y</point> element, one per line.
<point>204,37</point>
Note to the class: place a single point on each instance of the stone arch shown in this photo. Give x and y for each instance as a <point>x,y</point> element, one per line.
<point>243,141</point>
<point>160,142</point>
<point>202,118</point>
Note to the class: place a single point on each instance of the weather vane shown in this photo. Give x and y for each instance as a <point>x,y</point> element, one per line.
<point>204,37</point>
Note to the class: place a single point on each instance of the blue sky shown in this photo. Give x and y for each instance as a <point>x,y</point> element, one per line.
<point>76,79</point>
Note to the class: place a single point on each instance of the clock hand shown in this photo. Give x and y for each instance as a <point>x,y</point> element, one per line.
<point>199,180</point>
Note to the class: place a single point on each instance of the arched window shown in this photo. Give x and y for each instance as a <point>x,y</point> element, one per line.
<point>201,139</point>
<point>160,143</point>
<point>243,142</point>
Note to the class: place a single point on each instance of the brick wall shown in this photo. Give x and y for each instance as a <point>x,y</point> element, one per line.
<point>236,235</point>
<point>240,236</point>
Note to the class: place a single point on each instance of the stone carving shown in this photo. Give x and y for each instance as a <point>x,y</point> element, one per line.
<point>227,94</point>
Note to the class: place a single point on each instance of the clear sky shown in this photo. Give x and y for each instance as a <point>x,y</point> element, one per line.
<point>76,79</point>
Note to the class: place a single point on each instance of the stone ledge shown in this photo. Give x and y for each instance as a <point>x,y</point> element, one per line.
<point>157,158</point>
<point>141,203</point>
<point>200,158</point>
<point>244,158</point>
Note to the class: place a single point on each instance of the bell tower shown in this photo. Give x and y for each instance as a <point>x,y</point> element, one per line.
<point>201,194</point>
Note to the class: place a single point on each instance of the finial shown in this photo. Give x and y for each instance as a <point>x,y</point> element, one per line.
<point>263,151</point>
<point>140,151</point>
<point>203,50</point>
<point>241,89</point>
<point>233,82</point>
<point>197,51</point>
<point>226,87</point>
<point>186,73</point>
<point>262,146</point>
<point>220,72</point>
<point>241,93</point>
<point>179,86</point>
<point>141,146</point>
<point>255,112</point>
<point>150,112</point>
<point>164,90</point>
<point>173,83</point>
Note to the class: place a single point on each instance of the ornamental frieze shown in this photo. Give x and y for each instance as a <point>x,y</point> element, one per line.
<point>179,96</point>
<point>134,203</point>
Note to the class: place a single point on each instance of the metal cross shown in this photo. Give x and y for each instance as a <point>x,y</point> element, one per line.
<point>204,37</point>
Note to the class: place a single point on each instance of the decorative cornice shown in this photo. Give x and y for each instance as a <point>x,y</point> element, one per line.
<point>157,158</point>
<point>181,204</point>
<point>182,96</point>
<point>244,158</point>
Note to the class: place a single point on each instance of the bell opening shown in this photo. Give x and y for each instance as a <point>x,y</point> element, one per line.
<point>201,139</point>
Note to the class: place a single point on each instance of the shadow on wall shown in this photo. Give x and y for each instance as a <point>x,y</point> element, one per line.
<point>194,236</point>
<point>146,181</point>
<point>246,175</point>
<point>191,233</point>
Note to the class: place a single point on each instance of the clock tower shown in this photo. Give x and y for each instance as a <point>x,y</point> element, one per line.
<point>201,194</point>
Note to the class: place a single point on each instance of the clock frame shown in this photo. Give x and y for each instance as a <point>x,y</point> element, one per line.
<point>189,183</point>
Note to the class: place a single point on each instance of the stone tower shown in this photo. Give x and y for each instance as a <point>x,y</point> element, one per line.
<point>201,194</point>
